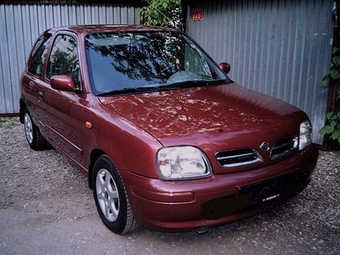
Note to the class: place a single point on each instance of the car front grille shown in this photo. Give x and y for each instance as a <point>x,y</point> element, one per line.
<point>238,157</point>
<point>284,147</point>
<point>248,156</point>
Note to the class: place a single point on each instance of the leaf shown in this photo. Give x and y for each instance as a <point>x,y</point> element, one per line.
<point>335,50</point>
<point>328,129</point>
<point>334,117</point>
<point>335,74</point>
<point>336,60</point>
<point>324,84</point>
<point>326,77</point>
<point>329,115</point>
<point>162,13</point>
<point>322,131</point>
<point>335,135</point>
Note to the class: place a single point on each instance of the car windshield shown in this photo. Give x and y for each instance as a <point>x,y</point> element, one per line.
<point>140,61</point>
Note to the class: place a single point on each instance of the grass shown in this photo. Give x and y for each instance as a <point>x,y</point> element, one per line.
<point>8,121</point>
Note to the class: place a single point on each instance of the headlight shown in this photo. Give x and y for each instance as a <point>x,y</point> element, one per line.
<point>305,137</point>
<point>182,162</point>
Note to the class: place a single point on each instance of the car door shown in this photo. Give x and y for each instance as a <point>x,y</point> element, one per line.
<point>63,118</point>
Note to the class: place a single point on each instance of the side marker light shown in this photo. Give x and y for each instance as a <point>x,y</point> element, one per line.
<point>88,125</point>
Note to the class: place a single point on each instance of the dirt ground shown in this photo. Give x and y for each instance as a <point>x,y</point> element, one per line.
<point>46,207</point>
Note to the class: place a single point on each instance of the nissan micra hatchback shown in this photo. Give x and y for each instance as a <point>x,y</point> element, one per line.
<point>168,140</point>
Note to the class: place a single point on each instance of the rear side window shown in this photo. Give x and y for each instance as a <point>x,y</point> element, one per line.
<point>38,54</point>
<point>64,58</point>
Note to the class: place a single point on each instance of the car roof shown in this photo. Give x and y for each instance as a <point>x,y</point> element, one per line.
<point>80,29</point>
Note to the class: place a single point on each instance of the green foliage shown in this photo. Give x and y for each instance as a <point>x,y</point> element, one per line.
<point>332,126</point>
<point>8,122</point>
<point>334,72</point>
<point>163,13</point>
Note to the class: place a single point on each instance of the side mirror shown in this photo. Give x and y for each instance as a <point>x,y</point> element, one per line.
<point>225,67</point>
<point>63,82</point>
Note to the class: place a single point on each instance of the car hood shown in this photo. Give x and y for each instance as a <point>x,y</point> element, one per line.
<point>220,116</point>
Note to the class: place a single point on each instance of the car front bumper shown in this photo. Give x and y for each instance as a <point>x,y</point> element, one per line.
<point>219,199</point>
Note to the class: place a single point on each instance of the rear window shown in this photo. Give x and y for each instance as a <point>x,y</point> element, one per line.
<point>38,55</point>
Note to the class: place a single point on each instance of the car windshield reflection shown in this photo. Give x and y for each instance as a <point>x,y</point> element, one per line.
<point>131,61</point>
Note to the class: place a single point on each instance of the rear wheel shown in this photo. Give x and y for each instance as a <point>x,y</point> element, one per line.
<point>110,196</point>
<point>33,137</point>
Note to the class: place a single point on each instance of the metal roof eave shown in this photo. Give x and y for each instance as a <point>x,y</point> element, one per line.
<point>77,2</point>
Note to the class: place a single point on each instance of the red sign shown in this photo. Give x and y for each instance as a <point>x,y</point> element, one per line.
<point>196,12</point>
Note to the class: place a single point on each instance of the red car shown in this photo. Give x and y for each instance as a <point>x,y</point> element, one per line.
<point>168,140</point>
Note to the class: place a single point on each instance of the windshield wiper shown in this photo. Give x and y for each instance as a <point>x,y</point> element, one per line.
<point>199,83</point>
<point>126,91</point>
<point>190,83</point>
<point>145,89</point>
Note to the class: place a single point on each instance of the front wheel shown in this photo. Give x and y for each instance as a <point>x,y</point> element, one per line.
<point>110,196</point>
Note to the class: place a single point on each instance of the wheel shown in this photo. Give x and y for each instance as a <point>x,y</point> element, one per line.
<point>110,196</point>
<point>33,137</point>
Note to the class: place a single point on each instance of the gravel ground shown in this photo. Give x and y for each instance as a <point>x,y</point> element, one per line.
<point>46,207</point>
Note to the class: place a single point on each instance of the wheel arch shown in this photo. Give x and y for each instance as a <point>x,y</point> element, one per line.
<point>22,110</point>
<point>95,154</point>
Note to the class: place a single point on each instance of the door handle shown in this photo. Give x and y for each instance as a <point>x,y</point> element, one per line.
<point>41,94</point>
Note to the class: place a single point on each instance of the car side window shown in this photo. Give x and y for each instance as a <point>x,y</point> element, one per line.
<point>64,58</point>
<point>38,54</point>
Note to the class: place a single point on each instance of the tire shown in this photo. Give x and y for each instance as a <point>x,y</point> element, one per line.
<point>33,137</point>
<point>111,198</point>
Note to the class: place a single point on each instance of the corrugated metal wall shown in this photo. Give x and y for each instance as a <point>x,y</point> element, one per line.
<point>21,24</point>
<point>281,48</point>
